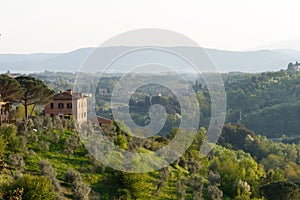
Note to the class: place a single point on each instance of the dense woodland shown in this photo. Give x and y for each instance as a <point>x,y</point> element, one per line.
<point>43,158</point>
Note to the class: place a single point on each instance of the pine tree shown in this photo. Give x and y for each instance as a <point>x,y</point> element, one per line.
<point>36,93</point>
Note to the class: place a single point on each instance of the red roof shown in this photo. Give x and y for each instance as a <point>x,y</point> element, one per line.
<point>102,120</point>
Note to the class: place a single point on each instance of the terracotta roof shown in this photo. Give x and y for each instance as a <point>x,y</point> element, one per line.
<point>101,120</point>
<point>62,95</point>
<point>68,96</point>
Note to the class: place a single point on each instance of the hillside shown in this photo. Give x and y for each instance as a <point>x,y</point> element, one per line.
<point>56,158</point>
<point>268,103</point>
<point>49,158</point>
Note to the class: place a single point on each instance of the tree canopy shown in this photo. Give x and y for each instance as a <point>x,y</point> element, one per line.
<point>10,89</point>
<point>36,92</point>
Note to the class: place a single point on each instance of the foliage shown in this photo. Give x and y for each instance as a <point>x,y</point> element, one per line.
<point>3,144</point>
<point>243,165</point>
<point>36,92</point>
<point>81,191</point>
<point>72,176</point>
<point>9,133</point>
<point>274,156</point>
<point>11,90</point>
<point>225,172</point>
<point>16,160</point>
<point>281,190</point>
<point>215,192</point>
<point>48,171</point>
<point>261,100</point>
<point>30,187</point>
<point>137,184</point>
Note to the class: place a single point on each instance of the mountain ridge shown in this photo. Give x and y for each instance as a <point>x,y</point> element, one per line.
<point>225,60</point>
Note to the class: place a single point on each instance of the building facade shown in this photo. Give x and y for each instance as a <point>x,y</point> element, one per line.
<point>294,67</point>
<point>67,104</point>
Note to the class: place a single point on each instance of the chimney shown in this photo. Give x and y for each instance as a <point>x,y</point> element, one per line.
<point>70,91</point>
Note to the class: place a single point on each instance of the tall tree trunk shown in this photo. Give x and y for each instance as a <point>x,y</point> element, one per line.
<point>8,110</point>
<point>26,111</point>
<point>26,107</point>
<point>32,110</point>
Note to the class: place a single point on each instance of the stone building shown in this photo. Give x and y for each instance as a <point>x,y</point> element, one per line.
<point>294,67</point>
<point>67,104</point>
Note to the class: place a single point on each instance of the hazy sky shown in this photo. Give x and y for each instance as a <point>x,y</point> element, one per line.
<point>63,25</point>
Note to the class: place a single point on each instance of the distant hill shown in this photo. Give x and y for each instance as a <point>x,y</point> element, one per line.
<point>244,61</point>
<point>288,44</point>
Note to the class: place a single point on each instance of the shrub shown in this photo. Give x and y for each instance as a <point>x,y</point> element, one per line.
<point>43,146</point>
<point>124,194</point>
<point>72,176</point>
<point>215,192</point>
<point>3,144</point>
<point>81,190</point>
<point>16,160</point>
<point>9,133</point>
<point>30,187</point>
<point>48,171</point>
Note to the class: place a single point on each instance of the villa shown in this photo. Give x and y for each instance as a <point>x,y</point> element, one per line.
<point>67,104</point>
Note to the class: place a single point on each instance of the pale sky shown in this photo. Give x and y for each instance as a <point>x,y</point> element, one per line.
<point>28,26</point>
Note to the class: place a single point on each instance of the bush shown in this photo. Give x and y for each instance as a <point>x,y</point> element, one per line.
<point>72,176</point>
<point>9,133</point>
<point>48,171</point>
<point>3,144</point>
<point>81,190</point>
<point>215,192</point>
<point>16,160</point>
<point>30,187</point>
<point>124,194</point>
<point>43,146</point>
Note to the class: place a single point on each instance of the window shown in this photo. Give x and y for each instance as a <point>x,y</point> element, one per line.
<point>60,105</point>
<point>84,114</point>
<point>51,105</point>
<point>69,105</point>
